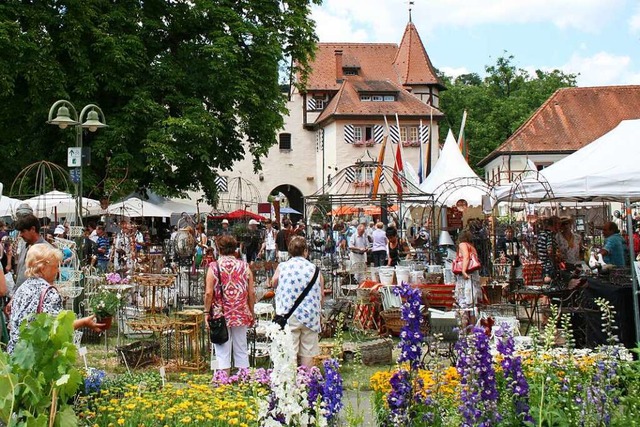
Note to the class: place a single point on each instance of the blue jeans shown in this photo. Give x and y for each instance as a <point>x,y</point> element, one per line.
<point>101,265</point>
<point>270,255</point>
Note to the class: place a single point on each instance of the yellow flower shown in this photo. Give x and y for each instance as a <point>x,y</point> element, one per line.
<point>233,421</point>
<point>186,420</point>
<point>121,421</point>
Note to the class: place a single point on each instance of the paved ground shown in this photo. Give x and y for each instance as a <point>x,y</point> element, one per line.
<point>364,408</point>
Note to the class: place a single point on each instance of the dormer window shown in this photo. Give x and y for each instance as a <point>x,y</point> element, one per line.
<point>377,98</point>
<point>350,71</point>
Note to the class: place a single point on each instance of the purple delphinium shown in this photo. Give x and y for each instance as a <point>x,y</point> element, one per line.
<point>399,398</point>
<point>479,393</point>
<point>600,394</point>
<point>311,379</point>
<point>332,390</point>
<point>411,337</point>
<point>513,374</point>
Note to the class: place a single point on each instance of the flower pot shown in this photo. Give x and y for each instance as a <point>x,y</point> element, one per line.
<point>107,320</point>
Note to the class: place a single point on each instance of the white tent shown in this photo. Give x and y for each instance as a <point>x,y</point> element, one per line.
<point>453,179</point>
<point>61,204</point>
<point>606,169</point>
<point>136,208</point>
<point>8,206</point>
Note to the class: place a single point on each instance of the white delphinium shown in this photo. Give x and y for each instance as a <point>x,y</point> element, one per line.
<point>288,403</point>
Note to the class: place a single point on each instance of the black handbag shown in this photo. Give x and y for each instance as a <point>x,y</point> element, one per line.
<point>282,319</point>
<point>218,331</point>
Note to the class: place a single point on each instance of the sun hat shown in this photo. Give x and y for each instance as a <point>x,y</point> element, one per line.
<point>225,221</point>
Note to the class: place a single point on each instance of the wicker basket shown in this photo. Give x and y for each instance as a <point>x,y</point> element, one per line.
<point>394,323</point>
<point>138,353</point>
<point>433,278</point>
<point>378,351</point>
<point>318,361</point>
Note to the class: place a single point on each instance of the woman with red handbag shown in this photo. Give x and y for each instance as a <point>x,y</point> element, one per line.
<point>466,267</point>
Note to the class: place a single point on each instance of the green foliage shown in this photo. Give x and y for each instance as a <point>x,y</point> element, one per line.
<point>496,105</point>
<point>104,304</point>
<point>186,87</point>
<point>40,372</point>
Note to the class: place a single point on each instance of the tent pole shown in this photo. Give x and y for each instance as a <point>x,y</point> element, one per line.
<point>634,277</point>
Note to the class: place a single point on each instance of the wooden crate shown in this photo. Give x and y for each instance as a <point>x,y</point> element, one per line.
<point>440,296</point>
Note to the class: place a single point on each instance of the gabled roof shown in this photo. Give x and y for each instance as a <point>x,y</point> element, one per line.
<point>412,62</point>
<point>347,103</point>
<point>570,119</point>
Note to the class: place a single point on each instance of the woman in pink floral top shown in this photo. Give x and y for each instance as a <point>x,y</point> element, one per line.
<point>238,299</point>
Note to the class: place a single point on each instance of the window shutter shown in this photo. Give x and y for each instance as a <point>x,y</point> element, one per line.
<point>378,133</point>
<point>311,104</point>
<point>394,134</point>
<point>349,134</point>
<point>350,174</point>
<point>424,134</point>
<point>222,184</point>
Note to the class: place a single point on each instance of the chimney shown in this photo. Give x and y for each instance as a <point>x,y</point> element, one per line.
<point>338,53</point>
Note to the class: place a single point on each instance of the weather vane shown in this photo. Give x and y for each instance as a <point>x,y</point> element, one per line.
<point>410,6</point>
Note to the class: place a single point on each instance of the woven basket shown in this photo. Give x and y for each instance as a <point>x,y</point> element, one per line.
<point>394,323</point>
<point>318,361</point>
<point>433,278</point>
<point>376,351</point>
<point>138,353</point>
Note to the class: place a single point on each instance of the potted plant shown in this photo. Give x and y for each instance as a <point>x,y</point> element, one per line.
<point>104,305</point>
<point>369,142</point>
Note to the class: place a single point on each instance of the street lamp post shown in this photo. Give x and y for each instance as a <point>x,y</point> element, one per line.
<point>67,115</point>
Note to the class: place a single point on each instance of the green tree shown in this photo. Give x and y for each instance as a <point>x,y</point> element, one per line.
<point>186,87</point>
<point>496,105</point>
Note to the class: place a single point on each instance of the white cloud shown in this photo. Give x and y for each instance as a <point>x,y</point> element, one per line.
<point>379,20</point>
<point>602,69</point>
<point>454,72</point>
<point>634,22</point>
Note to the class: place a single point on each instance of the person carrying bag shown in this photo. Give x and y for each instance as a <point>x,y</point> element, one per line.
<point>218,331</point>
<point>282,319</point>
<point>231,313</point>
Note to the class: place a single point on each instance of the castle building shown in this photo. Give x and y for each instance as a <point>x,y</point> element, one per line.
<point>339,118</point>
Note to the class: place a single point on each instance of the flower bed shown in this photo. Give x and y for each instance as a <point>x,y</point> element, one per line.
<point>493,384</point>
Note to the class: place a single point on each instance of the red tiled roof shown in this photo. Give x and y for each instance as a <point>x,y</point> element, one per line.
<point>412,62</point>
<point>572,118</point>
<point>347,103</point>
<point>374,59</point>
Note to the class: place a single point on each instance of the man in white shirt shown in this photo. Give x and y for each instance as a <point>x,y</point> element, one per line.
<point>358,245</point>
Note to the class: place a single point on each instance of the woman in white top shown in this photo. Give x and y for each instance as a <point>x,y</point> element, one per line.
<point>379,246</point>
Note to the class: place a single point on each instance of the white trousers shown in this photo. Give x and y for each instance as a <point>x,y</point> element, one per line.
<point>238,344</point>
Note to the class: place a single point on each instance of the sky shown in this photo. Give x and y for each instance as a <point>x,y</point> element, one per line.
<point>598,40</point>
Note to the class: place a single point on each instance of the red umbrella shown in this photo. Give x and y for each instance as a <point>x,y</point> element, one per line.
<point>239,214</point>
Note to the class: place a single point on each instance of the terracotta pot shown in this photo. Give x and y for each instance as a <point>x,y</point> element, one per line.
<point>106,320</point>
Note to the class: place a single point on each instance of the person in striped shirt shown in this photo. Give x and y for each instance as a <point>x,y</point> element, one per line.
<point>547,248</point>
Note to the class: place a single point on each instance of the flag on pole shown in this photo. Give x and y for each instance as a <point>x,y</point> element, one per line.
<point>420,165</point>
<point>429,145</point>
<point>376,178</point>
<point>398,166</point>
<point>462,143</point>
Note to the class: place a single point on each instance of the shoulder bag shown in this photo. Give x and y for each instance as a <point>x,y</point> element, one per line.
<point>218,331</point>
<point>43,294</point>
<point>282,319</point>
<point>474,263</point>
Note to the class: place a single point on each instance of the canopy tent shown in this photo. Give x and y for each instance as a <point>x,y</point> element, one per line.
<point>138,208</point>
<point>605,170</point>
<point>61,204</point>
<point>288,210</point>
<point>365,210</point>
<point>8,206</point>
<point>239,214</point>
<point>452,179</point>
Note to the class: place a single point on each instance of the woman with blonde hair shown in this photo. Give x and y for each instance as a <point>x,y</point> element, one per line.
<point>468,292</point>
<point>38,294</point>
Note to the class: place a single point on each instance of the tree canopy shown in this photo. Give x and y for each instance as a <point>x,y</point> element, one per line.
<point>187,87</point>
<point>498,104</point>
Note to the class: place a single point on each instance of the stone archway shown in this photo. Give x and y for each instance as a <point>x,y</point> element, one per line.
<point>294,196</point>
